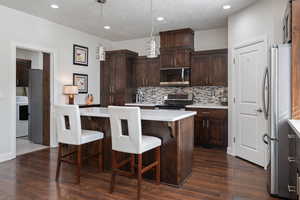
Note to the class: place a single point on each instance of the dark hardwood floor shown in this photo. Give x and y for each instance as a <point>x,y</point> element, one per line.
<point>215,176</point>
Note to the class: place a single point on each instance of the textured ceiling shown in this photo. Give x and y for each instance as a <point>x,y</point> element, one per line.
<point>130,19</point>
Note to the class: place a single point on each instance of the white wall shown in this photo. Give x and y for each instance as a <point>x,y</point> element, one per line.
<point>204,40</point>
<point>20,28</point>
<point>262,18</point>
<point>36,57</point>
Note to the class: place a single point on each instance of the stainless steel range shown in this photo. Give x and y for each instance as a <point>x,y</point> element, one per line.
<point>176,101</point>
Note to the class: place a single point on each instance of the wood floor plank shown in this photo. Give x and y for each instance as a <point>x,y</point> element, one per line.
<point>216,176</point>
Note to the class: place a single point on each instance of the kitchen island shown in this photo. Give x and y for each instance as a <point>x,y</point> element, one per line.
<point>174,128</point>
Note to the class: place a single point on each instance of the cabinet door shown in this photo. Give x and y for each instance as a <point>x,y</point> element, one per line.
<point>167,59</point>
<point>105,78</point>
<point>218,70</point>
<point>183,58</point>
<point>217,131</point>
<point>152,75</point>
<point>200,131</point>
<point>119,77</point>
<point>199,75</point>
<point>140,68</point>
<point>22,72</point>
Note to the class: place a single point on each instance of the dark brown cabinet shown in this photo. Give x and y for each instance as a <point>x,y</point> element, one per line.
<point>117,78</point>
<point>176,48</point>
<point>147,72</point>
<point>171,58</point>
<point>211,127</point>
<point>182,38</point>
<point>210,68</point>
<point>22,72</point>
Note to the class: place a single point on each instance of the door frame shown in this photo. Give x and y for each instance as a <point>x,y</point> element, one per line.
<point>234,125</point>
<point>53,88</point>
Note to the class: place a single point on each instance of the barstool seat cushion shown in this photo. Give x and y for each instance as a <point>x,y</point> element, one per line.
<point>90,136</point>
<point>150,142</point>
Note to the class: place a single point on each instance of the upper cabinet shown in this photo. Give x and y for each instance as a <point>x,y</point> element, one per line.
<point>210,68</point>
<point>176,48</point>
<point>147,71</point>
<point>22,72</point>
<point>183,38</point>
<point>117,77</point>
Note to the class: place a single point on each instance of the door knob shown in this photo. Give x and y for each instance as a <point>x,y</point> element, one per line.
<point>259,110</point>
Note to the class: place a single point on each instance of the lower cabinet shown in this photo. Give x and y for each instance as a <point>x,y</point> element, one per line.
<point>211,128</point>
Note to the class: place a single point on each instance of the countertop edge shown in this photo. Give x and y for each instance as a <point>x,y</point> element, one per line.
<point>295,125</point>
<point>188,106</point>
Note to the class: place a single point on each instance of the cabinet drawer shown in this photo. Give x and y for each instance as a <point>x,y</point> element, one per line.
<point>211,113</point>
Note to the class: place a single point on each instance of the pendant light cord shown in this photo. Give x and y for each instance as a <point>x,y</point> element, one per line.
<point>152,28</point>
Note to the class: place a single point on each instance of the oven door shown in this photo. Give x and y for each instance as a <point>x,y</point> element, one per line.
<point>22,112</point>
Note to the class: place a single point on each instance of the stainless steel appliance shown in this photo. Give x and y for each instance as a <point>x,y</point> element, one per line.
<point>175,76</point>
<point>277,110</point>
<point>176,101</point>
<point>36,106</point>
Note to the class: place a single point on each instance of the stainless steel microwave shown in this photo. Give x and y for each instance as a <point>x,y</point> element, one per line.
<point>175,76</point>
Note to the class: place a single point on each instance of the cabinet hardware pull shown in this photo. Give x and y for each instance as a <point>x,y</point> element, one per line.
<point>291,159</point>
<point>291,188</point>
<point>203,123</point>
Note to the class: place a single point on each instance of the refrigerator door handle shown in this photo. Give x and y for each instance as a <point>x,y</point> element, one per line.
<point>267,139</point>
<point>266,85</point>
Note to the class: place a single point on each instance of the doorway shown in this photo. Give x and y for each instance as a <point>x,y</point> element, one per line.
<point>32,100</point>
<point>250,62</point>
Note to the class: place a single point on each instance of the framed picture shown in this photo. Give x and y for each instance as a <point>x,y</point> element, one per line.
<point>81,80</point>
<point>80,55</point>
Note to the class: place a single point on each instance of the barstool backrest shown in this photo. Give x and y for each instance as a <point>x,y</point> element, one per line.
<point>68,124</point>
<point>131,143</point>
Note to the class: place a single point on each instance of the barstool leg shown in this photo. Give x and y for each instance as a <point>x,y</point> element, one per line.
<point>58,161</point>
<point>113,173</point>
<point>157,155</point>
<point>78,162</point>
<point>140,166</point>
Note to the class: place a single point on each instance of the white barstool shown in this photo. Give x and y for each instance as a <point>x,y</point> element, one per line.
<point>133,143</point>
<point>68,127</point>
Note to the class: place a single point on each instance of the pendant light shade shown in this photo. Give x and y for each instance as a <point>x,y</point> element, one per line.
<point>152,46</point>
<point>100,53</point>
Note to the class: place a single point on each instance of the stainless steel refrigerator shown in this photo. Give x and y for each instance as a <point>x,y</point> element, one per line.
<point>36,106</point>
<point>277,109</point>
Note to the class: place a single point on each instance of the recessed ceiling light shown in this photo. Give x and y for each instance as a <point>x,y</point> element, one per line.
<point>54,6</point>
<point>160,19</point>
<point>107,27</point>
<point>226,7</point>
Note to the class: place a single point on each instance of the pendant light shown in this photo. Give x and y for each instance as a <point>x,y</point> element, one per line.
<point>100,50</point>
<point>151,46</point>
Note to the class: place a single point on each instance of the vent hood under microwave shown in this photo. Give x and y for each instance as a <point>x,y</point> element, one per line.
<point>175,76</point>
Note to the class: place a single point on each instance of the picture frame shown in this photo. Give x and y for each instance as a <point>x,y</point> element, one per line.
<point>80,55</point>
<point>81,80</point>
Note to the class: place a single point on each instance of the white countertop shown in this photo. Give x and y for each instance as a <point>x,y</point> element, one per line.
<point>140,104</point>
<point>151,115</point>
<point>295,125</point>
<point>210,106</point>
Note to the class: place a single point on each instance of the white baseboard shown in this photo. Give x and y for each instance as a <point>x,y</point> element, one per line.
<point>229,151</point>
<point>7,156</point>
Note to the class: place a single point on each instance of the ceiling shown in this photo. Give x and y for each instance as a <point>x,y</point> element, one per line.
<point>131,19</point>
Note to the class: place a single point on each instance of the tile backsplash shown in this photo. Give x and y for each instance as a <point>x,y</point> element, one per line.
<point>202,95</point>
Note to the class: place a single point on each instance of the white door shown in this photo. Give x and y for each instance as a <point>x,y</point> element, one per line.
<point>250,64</point>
